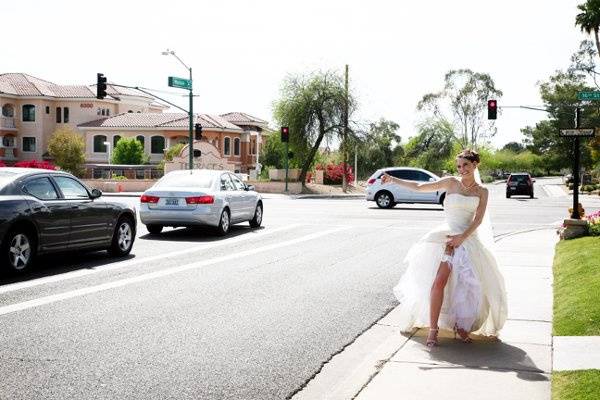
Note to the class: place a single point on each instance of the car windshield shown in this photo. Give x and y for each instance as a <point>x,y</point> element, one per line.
<point>201,181</point>
<point>6,177</point>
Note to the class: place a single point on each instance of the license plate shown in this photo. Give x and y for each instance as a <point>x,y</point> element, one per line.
<point>513,188</point>
<point>172,202</point>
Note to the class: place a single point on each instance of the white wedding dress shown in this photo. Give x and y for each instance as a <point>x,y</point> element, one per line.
<point>475,296</point>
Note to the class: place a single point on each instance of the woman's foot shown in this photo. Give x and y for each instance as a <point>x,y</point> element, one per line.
<point>432,339</point>
<point>464,335</point>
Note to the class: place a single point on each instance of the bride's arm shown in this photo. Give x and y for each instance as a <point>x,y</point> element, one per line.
<point>441,184</point>
<point>457,240</point>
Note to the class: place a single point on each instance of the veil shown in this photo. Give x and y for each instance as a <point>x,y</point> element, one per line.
<point>484,230</point>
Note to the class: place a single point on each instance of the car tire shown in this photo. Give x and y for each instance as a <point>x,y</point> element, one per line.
<point>384,199</point>
<point>442,199</point>
<point>154,229</point>
<point>258,215</point>
<point>531,195</point>
<point>507,195</point>
<point>18,251</point>
<point>123,238</point>
<point>224,223</point>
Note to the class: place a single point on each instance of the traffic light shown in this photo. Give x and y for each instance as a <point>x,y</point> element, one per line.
<point>198,130</point>
<point>100,86</point>
<point>285,134</point>
<point>492,109</point>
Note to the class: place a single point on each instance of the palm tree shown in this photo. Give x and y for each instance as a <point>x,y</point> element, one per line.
<point>589,19</point>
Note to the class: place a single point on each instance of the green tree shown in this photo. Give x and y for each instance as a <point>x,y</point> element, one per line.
<point>129,151</point>
<point>313,107</point>
<point>515,147</point>
<point>465,94</point>
<point>67,147</point>
<point>272,152</point>
<point>433,147</point>
<point>170,153</point>
<point>589,19</point>
<point>379,148</point>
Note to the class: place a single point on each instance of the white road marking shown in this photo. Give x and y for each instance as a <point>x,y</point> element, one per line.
<point>122,264</point>
<point>157,274</point>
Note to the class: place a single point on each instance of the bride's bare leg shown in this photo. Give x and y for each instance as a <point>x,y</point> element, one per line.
<point>437,290</point>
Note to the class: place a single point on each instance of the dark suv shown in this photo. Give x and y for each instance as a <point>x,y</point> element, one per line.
<point>519,183</point>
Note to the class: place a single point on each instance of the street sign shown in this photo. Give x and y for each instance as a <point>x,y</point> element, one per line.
<point>180,82</point>
<point>577,132</point>
<point>588,95</point>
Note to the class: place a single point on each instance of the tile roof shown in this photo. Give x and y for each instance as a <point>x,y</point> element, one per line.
<point>160,120</point>
<point>27,85</point>
<point>240,118</point>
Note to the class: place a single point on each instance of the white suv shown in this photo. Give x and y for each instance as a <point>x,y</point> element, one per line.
<point>387,196</point>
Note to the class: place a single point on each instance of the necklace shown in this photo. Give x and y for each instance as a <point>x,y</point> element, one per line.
<point>468,188</point>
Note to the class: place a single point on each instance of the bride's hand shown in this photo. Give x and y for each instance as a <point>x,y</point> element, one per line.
<point>455,240</point>
<point>385,178</point>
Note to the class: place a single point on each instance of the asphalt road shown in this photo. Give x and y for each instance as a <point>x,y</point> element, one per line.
<point>251,316</point>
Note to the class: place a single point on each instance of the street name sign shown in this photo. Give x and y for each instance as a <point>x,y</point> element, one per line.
<point>180,83</point>
<point>577,132</point>
<point>588,95</point>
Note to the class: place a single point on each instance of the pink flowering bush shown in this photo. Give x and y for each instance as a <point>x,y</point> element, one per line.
<point>35,164</point>
<point>2,164</point>
<point>334,173</point>
<point>594,224</point>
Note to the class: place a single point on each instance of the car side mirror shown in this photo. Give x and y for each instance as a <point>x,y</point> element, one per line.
<point>223,187</point>
<point>249,187</point>
<point>431,179</point>
<point>96,193</point>
<point>533,180</point>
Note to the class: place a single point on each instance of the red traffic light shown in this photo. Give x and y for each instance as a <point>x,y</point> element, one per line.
<point>285,134</point>
<point>492,109</point>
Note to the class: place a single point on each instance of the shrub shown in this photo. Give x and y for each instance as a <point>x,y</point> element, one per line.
<point>334,173</point>
<point>119,178</point>
<point>594,224</point>
<point>35,164</point>
<point>487,179</point>
<point>129,151</point>
<point>67,148</point>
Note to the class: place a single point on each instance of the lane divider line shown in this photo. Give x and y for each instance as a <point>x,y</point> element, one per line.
<point>122,264</point>
<point>157,274</point>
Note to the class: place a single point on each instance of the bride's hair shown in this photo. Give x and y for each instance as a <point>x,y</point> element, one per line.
<point>469,154</point>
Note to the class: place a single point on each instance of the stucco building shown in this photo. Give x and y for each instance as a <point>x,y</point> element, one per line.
<point>32,109</point>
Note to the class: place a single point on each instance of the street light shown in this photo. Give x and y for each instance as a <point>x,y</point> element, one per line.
<point>107,144</point>
<point>191,113</point>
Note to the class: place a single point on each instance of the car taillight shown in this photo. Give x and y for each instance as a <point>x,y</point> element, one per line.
<point>200,200</point>
<point>149,199</point>
<point>371,181</point>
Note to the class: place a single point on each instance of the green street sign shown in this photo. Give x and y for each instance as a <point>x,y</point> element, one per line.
<point>180,82</point>
<point>588,95</point>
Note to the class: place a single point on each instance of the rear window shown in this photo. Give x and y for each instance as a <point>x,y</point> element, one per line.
<point>186,180</point>
<point>519,178</point>
<point>6,178</point>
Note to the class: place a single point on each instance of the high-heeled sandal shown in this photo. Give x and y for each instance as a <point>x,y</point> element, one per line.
<point>464,335</point>
<point>432,339</point>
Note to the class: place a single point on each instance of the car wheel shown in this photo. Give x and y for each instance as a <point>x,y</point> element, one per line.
<point>19,250</point>
<point>442,199</point>
<point>507,195</point>
<point>224,223</point>
<point>123,237</point>
<point>531,195</point>
<point>384,199</point>
<point>154,229</point>
<point>258,215</point>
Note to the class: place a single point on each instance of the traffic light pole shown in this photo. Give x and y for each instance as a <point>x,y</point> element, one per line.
<point>286,165</point>
<point>191,133</point>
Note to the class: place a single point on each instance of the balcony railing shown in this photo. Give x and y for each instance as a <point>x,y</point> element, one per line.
<point>7,122</point>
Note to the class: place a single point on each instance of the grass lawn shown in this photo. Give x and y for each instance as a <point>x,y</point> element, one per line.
<point>576,385</point>
<point>577,287</point>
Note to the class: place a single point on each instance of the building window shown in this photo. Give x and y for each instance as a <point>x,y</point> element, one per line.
<point>28,113</point>
<point>99,112</point>
<point>8,111</point>
<point>29,144</point>
<point>8,141</point>
<point>129,111</point>
<point>58,115</point>
<point>107,112</point>
<point>103,112</point>
<point>253,147</point>
<point>116,139</point>
<point>157,145</point>
<point>236,147</point>
<point>99,146</point>
<point>66,115</point>
<point>47,109</point>
<point>141,139</point>
<point>226,146</point>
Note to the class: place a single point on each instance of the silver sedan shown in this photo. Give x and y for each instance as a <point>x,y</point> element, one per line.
<point>200,197</point>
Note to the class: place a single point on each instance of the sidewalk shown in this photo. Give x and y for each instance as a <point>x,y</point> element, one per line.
<point>384,364</point>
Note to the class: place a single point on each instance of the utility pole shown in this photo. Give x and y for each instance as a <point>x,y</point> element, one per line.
<point>345,136</point>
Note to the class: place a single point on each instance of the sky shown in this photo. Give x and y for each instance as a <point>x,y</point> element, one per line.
<point>241,51</point>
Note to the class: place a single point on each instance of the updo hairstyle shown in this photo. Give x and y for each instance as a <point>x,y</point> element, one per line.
<point>469,154</point>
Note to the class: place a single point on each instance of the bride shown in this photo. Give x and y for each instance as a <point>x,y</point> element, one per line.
<point>452,280</point>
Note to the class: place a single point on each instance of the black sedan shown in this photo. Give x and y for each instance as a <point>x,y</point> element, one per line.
<point>43,211</point>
